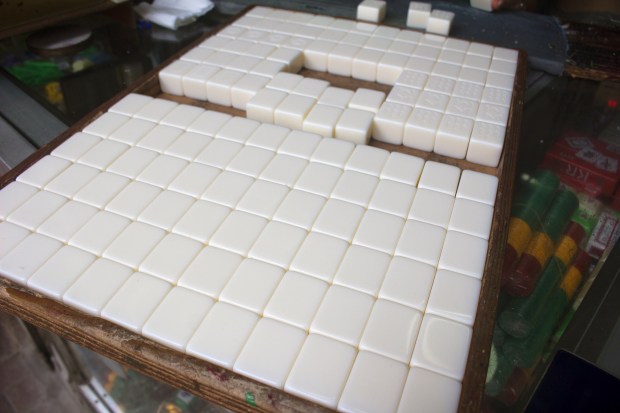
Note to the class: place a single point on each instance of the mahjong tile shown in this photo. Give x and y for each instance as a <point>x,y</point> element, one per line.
<point>166,209</point>
<point>238,232</point>
<point>355,187</point>
<point>72,179</point>
<point>464,253</point>
<point>440,177</point>
<point>134,244</point>
<point>67,220</point>
<point>98,233</point>
<point>263,198</point>
<point>132,162</point>
<point>209,123</point>
<point>132,200</point>
<point>426,391</point>
<point>454,296</point>
<point>432,207</point>
<point>201,220</point>
<point>250,160</point>
<point>210,271</point>
<point>28,256</point>
<point>14,195</point>
<point>162,171</point>
<point>102,189</point>
<point>392,197</point>
<point>36,209</point>
<point>421,241</point>
<point>76,146</point>
<point>300,208</point>
<point>159,138</point>
<point>408,282</point>
<point>339,219</point>
<point>362,269</point>
<point>330,249</point>
<point>10,236</point>
<point>194,179</point>
<point>42,172</point>
<point>171,257</point>
<point>278,243</point>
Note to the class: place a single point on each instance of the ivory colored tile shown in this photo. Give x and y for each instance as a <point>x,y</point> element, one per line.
<point>355,187</point>
<point>446,70</point>
<point>419,65</point>
<point>14,195</point>
<point>495,114</point>
<point>486,143</point>
<point>426,391</point>
<point>312,88</point>
<point>219,153</point>
<point>355,126</point>
<point>440,177</point>
<point>451,56</point>
<point>472,75</point>
<point>278,243</point>
<point>245,89</point>
<point>162,170</point>
<point>426,52</point>
<point>76,146</point>
<point>477,62</point>
<point>299,208</point>
<point>403,168</point>
<point>243,63</point>
<point>403,95</point>
<point>321,370</point>
<point>219,86</point>
<point>270,352</point>
<point>36,209</point>
<point>188,145</point>
<point>362,269</point>
<point>135,301</point>
<point>463,253</point>
<point>392,197</point>
<point>251,35</point>
<point>201,220</point>
<point>322,120</point>
<point>367,99</point>
<point>263,105</point>
<point>387,32</point>
<point>404,48</point>
<point>133,199</point>
<point>339,219</point>
<point>132,131</point>
<point>263,198</point>
<point>418,14</point>
<point>390,67</point>
<point>171,76</point>
<point>292,111</point>
<point>134,244</point>
<point>238,232</point>
<point>440,22</point>
<point>43,171</point>
<point>410,36</point>
<point>194,179</point>
<point>284,82</point>
<point>268,68</point>
<point>296,299</point>
<point>372,11</point>
<point>260,51</point>
<point>171,257</point>
<point>374,385</point>
<point>364,64</point>
<point>330,249</point>
<point>252,285</point>
<point>496,96</point>
<point>332,35</point>
<point>166,209</point>
<point>421,241</point>
<point>107,123</point>
<point>182,116</point>
<point>471,217</point>
<point>440,84</point>
<point>367,159</point>
<point>480,49</point>
<point>462,107</point>
<point>155,110</point>
<point>454,296</point>
<point>284,169</point>
<point>215,341</point>
<point>477,186</point>
<point>342,24</point>
<point>209,123</point>
<point>432,207</point>
<point>268,136</point>
<point>221,58</point>
<point>508,55</point>
<point>319,179</point>
<point>336,97</point>
<point>27,257</point>
<point>10,236</point>
<point>94,288</point>
<point>72,179</point>
<point>389,123</point>
<point>343,314</point>
<point>379,231</point>
<point>250,161</point>
<point>98,233</point>
<point>442,346</point>
<point>67,220</point>
<point>130,104</point>
<point>177,317</point>
<point>378,43</point>
<point>130,164</point>
<point>500,81</point>
<point>321,21</point>
<point>228,188</point>
<point>391,330</point>
<point>299,144</point>
<point>333,152</point>
<point>215,43</point>
<point>103,154</point>
<point>408,282</point>
<point>210,271</point>
<point>293,59</point>
<point>202,54</point>
<point>432,101</point>
<point>60,271</point>
<point>340,59</point>
<point>159,138</point>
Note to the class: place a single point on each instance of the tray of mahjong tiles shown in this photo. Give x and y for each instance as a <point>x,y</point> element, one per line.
<point>295,213</point>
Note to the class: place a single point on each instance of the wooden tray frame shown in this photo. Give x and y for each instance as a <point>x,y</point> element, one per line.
<point>222,386</point>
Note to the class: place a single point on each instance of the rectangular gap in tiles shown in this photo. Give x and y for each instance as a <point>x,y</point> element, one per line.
<point>344,81</point>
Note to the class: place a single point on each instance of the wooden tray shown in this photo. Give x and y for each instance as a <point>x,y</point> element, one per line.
<point>223,386</point>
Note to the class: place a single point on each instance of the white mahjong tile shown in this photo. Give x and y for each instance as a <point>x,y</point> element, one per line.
<point>218,153</point>
<point>284,169</point>
<point>219,86</point>
<point>356,39</point>
<point>107,123</point>
<point>451,56</point>
<point>379,231</point>
<point>171,257</point>
<point>99,232</point>
<point>238,46</point>
<point>292,58</point>
<point>333,152</point>
<point>201,220</point>
<point>480,49</point>
<point>471,217</point>
<point>134,244</point>
<point>202,54</point>
<point>392,197</point>
<point>390,67</point>
<point>486,143</point>
<point>478,186</point>
<point>400,47</point>
<point>500,80</point>
<point>284,82</point>
<point>102,189</point>
<point>454,296</point>
<point>268,68</point>
<point>468,90</point>
<point>417,15</point>
<point>403,95</point>
<point>72,179</point>
<point>508,55</point>
<point>246,88</point>
<point>421,241</point>
<point>412,79</point>
<point>440,177</point>
<point>210,271</point>
<point>67,220</point>
<point>440,84</point>
<point>10,236</point>
<point>426,52</point>
<point>432,101</point>
<point>133,199</point>
<point>278,243</point>
<point>472,75</point>
<point>209,123</point>
<point>27,257</point>
<point>238,232</point>
<point>250,161</point>
<point>355,187</point>
<point>378,43</point>
<point>496,96</point>
<point>312,88</point>
<point>162,170</point>
<point>339,219</point>
<point>194,179</point>
<point>263,198</point>
<point>495,114</point>
<point>319,178</point>
<point>77,145</point>
<point>159,138</point>
<point>237,129</point>
<point>300,208</point>
<point>215,43</point>
<point>228,188</point>
<point>131,163</point>
<point>170,77</point>
<point>263,105</point>
<point>322,120</point>
<point>367,159</point>
<point>336,96</point>
<point>456,44</point>
<point>423,66</point>
<point>340,59</point>
<point>466,108</point>
<point>408,282</point>
<point>403,168</point>
<point>14,195</point>
<point>390,120</point>
<point>182,116</point>
<point>432,207</point>
<point>155,110</point>
<point>132,131</point>
<point>362,269</point>
<point>300,144</point>
<point>410,36</point>
<point>463,253</point>
<point>355,126</point>
<point>268,136</point>
<point>36,209</point>
<point>166,209</point>
<point>130,104</point>
<point>330,249</point>
<point>188,145</point>
<point>426,391</point>
<point>292,111</point>
<point>43,171</point>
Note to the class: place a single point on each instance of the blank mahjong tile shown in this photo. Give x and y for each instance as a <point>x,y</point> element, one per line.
<point>132,131</point>
<point>92,290</point>
<point>379,231</point>
<point>238,232</point>
<point>188,145</point>
<point>284,169</point>
<point>322,120</point>
<point>76,146</point>
<point>182,116</point>
<point>343,314</point>
<point>201,220</point>
<point>362,269</point>
<point>440,177</point>
<point>105,124</point>
<point>471,217</point>
<point>102,189</point>
<point>296,299</point>
<point>442,346</point>
<point>36,209</point>
<point>103,154</point>
<point>392,197</point>
<point>60,271</point>
<point>46,169</point>
<point>364,65</point>
<point>464,253</point>
<point>299,144</point>
<point>330,249</point>
<point>466,108</point>
<point>166,209</point>
<point>355,126</point>
<point>408,282</point>
<point>335,96</point>
<point>237,129</point>
<point>391,330</point>
<point>340,59</point>
<point>278,243</point>
<point>339,218</point>
<point>67,220</point>
<point>228,188</point>
<point>177,317</point>
<point>135,301</point>
<point>292,58</point>
<point>423,66</point>
<point>454,296</point>
<point>427,391</point>
<point>333,152</point>
<point>162,170</point>
<point>355,187</point>
<point>252,285</point>
<point>10,236</point>
<point>292,111</point>
<point>210,271</point>
<point>421,241</point>
<point>268,136</point>
<point>367,99</point>
<point>209,123</point>
<point>171,257</point>
<point>24,259</point>
<point>250,161</point>
<point>216,341</point>
<point>432,207</point>
<point>194,179</point>
<point>13,195</point>
<point>133,199</point>
<point>220,84</point>
<point>319,178</point>
<point>367,159</point>
<point>263,198</point>
<point>159,138</point>
<point>130,104</point>
<point>72,179</point>
<point>219,153</point>
<point>98,233</point>
<point>300,208</point>
<point>170,77</point>
<point>134,244</point>
<point>478,186</point>
<point>374,385</point>
<point>270,352</point>
<point>321,370</point>
<point>284,82</point>
<point>155,110</point>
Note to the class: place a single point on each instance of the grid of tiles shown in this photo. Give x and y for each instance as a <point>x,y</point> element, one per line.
<point>307,263</point>
<point>449,96</point>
